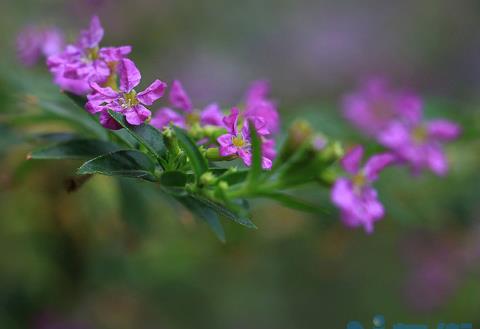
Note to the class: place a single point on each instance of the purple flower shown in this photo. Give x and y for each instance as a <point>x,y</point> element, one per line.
<point>179,97</point>
<point>212,115</point>
<point>34,42</point>
<point>237,141</point>
<point>420,144</point>
<point>373,107</point>
<point>164,117</point>
<point>85,62</point>
<point>257,104</point>
<point>355,196</point>
<point>126,100</point>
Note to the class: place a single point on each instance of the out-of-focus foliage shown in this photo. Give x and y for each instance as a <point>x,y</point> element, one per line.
<point>114,254</point>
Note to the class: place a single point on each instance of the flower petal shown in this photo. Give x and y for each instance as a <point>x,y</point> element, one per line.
<point>129,75</point>
<point>164,117</point>
<point>108,122</point>
<point>376,164</point>
<point>225,140</point>
<point>258,90</point>
<point>114,54</point>
<point>179,97</point>
<point>436,160</point>
<point>152,93</point>
<point>246,156</point>
<point>231,121</point>
<point>351,161</point>
<point>443,130</point>
<point>212,115</point>
<point>137,115</point>
<point>342,194</point>
<point>91,38</point>
<point>106,92</point>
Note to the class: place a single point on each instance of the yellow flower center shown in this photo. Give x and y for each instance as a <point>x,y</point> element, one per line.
<point>359,180</point>
<point>238,141</point>
<point>92,53</point>
<point>130,99</point>
<point>419,134</point>
<point>193,118</point>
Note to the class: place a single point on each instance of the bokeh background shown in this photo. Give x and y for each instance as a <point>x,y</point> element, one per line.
<point>117,254</point>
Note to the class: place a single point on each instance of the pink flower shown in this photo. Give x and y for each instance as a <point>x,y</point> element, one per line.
<point>179,98</point>
<point>257,104</point>
<point>164,117</point>
<point>238,141</point>
<point>375,105</point>
<point>34,42</point>
<point>126,100</point>
<point>355,196</point>
<point>211,115</point>
<point>82,63</point>
<point>420,144</point>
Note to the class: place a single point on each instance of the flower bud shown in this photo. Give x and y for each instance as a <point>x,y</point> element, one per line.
<point>208,178</point>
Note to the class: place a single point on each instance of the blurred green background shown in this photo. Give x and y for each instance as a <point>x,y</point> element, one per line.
<point>118,254</point>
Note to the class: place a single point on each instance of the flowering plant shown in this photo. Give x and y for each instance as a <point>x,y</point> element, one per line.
<point>213,161</point>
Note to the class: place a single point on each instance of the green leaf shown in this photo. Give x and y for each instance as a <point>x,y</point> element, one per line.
<point>74,149</point>
<point>145,134</point>
<point>224,211</point>
<point>126,163</point>
<point>294,203</point>
<point>207,214</point>
<point>53,137</point>
<point>174,179</point>
<point>256,168</point>
<point>198,162</point>
<point>76,117</point>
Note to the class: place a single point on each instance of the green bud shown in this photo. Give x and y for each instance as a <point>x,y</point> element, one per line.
<point>208,178</point>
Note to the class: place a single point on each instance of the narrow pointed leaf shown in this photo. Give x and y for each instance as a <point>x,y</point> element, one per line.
<point>145,134</point>
<point>74,149</point>
<point>198,162</point>
<point>126,163</point>
<point>227,213</point>
<point>207,214</point>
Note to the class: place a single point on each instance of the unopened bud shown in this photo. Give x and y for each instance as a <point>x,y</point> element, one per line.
<point>208,178</point>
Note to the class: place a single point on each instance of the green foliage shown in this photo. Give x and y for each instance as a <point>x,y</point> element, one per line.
<point>198,162</point>
<point>124,163</point>
<point>74,149</point>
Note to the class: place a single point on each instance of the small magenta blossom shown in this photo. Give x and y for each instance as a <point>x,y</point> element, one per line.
<point>355,196</point>
<point>211,115</point>
<point>35,42</point>
<point>420,144</point>
<point>165,116</point>
<point>375,105</point>
<point>126,100</point>
<point>238,141</point>
<point>85,62</point>
<point>179,98</point>
<point>257,104</point>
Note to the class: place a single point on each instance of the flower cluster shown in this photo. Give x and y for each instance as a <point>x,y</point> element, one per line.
<point>80,64</point>
<point>393,118</point>
<point>108,79</point>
